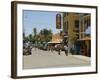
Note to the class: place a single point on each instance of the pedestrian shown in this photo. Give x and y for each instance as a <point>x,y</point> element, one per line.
<point>58,48</point>
<point>52,48</point>
<point>55,47</point>
<point>72,49</point>
<point>66,50</point>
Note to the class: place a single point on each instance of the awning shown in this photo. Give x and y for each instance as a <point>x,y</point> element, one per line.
<point>86,38</point>
<point>56,41</point>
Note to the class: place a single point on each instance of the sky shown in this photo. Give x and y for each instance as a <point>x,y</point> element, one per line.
<point>39,20</point>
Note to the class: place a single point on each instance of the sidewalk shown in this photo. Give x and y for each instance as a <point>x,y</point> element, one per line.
<point>85,58</point>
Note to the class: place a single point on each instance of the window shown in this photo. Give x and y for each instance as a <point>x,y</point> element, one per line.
<point>76,23</point>
<point>77,36</point>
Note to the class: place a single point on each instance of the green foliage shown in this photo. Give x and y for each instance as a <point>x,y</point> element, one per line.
<point>73,37</point>
<point>34,31</point>
<point>44,35</point>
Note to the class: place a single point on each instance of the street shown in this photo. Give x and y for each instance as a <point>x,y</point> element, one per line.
<point>47,59</point>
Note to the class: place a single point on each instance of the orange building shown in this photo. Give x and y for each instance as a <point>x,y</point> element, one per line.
<point>56,38</point>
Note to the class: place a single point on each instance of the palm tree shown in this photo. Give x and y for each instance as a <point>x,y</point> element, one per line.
<point>34,31</point>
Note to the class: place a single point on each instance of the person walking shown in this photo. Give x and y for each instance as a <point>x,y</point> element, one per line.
<point>59,48</point>
<point>72,49</point>
<point>66,50</point>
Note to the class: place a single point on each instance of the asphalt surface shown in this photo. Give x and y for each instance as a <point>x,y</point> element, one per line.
<point>48,59</point>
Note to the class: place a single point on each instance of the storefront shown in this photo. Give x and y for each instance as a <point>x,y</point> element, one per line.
<point>85,46</point>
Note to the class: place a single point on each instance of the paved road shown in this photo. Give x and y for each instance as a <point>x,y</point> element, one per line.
<point>45,59</point>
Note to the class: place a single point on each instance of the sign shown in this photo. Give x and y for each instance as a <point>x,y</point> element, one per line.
<point>58,21</point>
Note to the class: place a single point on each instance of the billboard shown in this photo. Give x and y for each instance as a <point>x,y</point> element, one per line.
<point>58,21</point>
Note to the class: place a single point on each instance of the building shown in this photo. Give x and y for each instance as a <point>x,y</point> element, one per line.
<point>78,29</point>
<point>56,38</point>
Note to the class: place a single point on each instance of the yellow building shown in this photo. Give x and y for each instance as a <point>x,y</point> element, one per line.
<point>77,27</point>
<point>85,34</point>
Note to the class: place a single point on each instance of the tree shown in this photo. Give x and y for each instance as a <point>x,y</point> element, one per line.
<point>45,35</point>
<point>35,31</point>
<point>73,37</point>
<point>30,38</point>
<point>34,38</point>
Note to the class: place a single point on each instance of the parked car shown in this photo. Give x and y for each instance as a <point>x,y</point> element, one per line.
<point>27,49</point>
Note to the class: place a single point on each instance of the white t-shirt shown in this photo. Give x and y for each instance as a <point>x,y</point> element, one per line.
<point>65,47</point>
